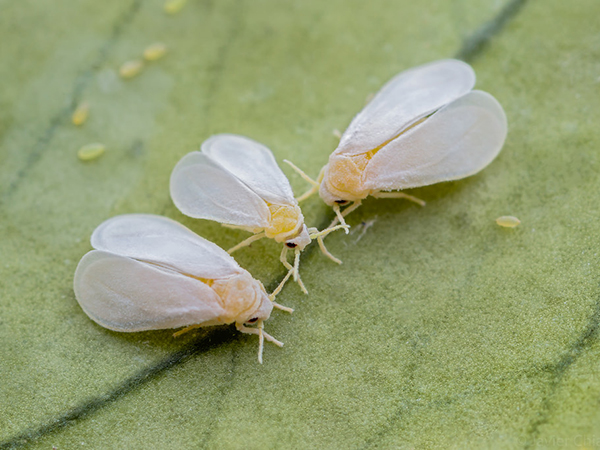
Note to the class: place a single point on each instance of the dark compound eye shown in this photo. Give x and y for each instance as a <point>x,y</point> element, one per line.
<point>291,245</point>
<point>341,202</point>
<point>253,320</point>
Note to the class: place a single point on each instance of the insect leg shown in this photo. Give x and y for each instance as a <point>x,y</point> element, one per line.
<point>234,227</point>
<point>273,294</point>
<point>247,242</point>
<point>338,218</point>
<point>334,226</point>
<point>351,208</point>
<point>302,174</point>
<point>340,215</point>
<point>398,195</point>
<point>185,330</point>
<point>315,184</point>
<point>280,287</point>
<point>307,194</point>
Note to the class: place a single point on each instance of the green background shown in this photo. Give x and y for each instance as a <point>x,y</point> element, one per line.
<point>440,330</point>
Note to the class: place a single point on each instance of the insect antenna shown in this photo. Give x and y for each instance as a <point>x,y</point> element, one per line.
<point>296,273</point>
<point>262,335</point>
<point>185,330</point>
<point>270,338</point>
<point>296,264</point>
<point>247,242</point>
<point>313,233</point>
<point>292,271</point>
<point>302,174</point>
<point>281,307</point>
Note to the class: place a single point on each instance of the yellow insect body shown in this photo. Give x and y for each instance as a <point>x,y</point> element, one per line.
<point>286,222</point>
<point>343,177</point>
<point>241,296</point>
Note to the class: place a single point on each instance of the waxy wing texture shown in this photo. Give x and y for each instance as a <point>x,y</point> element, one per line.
<point>230,181</point>
<point>253,164</point>
<point>164,242</point>
<point>204,190</point>
<point>405,99</point>
<point>457,141</point>
<point>123,294</point>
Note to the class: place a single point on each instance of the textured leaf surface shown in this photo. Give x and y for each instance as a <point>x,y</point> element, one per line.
<point>441,329</point>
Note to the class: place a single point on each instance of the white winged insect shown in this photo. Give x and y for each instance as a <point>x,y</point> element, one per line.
<point>149,272</point>
<point>237,182</point>
<point>426,125</point>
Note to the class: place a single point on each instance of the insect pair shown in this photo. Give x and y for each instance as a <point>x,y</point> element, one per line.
<point>425,126</point>
<point>236,181</point>
<point>150,272</point>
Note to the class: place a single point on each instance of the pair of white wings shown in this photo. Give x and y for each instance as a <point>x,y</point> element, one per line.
<point>144,274</point>
<point>230,181</point>
<point>464,132</point>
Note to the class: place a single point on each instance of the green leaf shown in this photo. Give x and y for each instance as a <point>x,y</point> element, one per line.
<point>440,330</point>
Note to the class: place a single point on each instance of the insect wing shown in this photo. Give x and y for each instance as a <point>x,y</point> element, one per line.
<point>162,241</point>
<point>405,99</point>
<point>123,294</point>
<point>203,190</point>
<point>455,142</point>
<point>253,164</point>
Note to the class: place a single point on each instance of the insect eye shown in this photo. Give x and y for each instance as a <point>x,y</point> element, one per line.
<point>341,202</point>
<point>291,244</point>
<point>254,319</point>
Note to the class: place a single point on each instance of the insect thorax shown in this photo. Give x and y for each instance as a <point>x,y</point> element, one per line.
<point>286,221</point>
<point>344,177</point>
<point>241,295</point>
